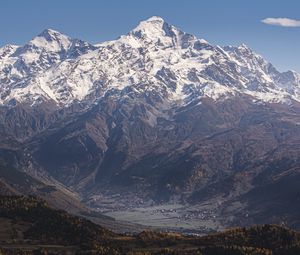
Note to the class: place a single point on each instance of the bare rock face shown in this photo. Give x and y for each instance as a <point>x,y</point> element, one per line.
<point>158,114</point>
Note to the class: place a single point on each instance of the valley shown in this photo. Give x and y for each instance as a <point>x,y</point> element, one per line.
<point>175,217</point>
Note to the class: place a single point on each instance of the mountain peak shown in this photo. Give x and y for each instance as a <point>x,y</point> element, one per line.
<point>152,25</point>
<point>155,19</point>
<point>51,40</point>
<point>50,33</point>
<point>156,30</point>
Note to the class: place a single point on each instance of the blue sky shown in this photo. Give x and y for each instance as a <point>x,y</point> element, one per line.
<point>220,22</point>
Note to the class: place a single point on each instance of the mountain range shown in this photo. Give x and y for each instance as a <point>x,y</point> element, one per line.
<point>155,117</point>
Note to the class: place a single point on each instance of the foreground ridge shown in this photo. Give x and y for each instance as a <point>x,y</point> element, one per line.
<point>29,224</point>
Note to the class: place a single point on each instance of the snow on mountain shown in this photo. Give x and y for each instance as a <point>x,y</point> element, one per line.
<point>154,56</point>
<point>7,50</point>
<point>22,67</point>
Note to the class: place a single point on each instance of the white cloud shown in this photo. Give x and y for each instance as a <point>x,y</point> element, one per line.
<point>283,22</point>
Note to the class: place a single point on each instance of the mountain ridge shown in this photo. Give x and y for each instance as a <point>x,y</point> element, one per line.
<point>148,45</point>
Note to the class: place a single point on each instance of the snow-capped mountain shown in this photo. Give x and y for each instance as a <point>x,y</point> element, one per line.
<point>154,56</point>
<point>22,66</point>
<point>154,116</point>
